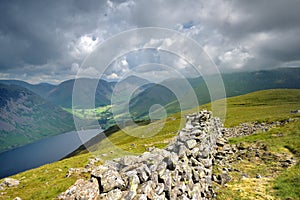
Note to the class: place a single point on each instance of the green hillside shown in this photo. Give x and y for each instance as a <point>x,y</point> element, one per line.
<point>48,181</point>
<point>234,84</point>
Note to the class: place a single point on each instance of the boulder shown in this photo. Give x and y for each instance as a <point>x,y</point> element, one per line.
<point>9,182</point>
<point>110,180</point>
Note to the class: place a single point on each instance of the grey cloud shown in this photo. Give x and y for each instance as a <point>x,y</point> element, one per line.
<point>39,37</point>
<point>38,32</point>
<point>269,15</point>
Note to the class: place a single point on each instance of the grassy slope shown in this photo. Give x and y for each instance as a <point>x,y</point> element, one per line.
<point>49,180</point>
<point>276,182</point>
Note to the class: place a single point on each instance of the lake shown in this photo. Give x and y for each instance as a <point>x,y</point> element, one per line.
<point>43,151</point>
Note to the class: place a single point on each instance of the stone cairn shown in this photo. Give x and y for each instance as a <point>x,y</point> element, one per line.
<point>183,170</point>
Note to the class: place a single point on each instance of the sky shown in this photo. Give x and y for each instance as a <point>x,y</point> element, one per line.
<point>48,41</point>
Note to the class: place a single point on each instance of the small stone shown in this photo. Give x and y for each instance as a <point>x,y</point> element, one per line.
<point>224,178</point>
<point>258,176</point>
<point>244,175</point>
<point>191,144</point>
<point>221,142</point>
<point>115,194</point>
<point>17,198</point>
<point>141,197</point>
<point>159,188</point>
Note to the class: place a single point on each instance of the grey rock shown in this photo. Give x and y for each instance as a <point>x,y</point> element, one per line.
<point>147,188</point>
<point>171,161</point>
<point>82,189</point>
<point>258,176</point>
<point>112,165</point>
<point>9,182</point>
<point>110,180</point>
<point>182,150</point>
<point>98,171</point>
<point>161,168</point>
<point>191,144</point>
<point>143,173</point>
<point>221,142</point>
<point>129,195</point>
<point>159,188</point>
<point>195,152</point>
<point>134,182</point>
<point>141,197</point>
<point>128,160</point>
<point>115,194</point>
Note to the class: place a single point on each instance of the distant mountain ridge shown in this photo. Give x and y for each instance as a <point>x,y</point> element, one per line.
<point>145,93</point>
<point>41,89</point>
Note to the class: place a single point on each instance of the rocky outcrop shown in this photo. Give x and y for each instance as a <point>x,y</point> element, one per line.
<point>9,182</point>
<point>181,171</point>
<point>82,189</point>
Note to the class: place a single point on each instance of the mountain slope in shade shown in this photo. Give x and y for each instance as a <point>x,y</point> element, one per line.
<point>62,94</point>
<point>25,117</point>
<point>157,94</point>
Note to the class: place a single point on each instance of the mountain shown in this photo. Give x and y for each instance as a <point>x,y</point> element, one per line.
<point>41,89</point>
<point>131,85</point>
<point>234,83</point>
<point>26,117</point>
<point>245,82</point>
<point>156,94</point>
<point>62,94</point>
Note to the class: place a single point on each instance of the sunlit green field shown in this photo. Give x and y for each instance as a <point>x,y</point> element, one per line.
<point>264,106</point>
<point>96,113</point>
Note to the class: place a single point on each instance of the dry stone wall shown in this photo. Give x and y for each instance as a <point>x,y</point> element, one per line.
<point>183,170</point>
